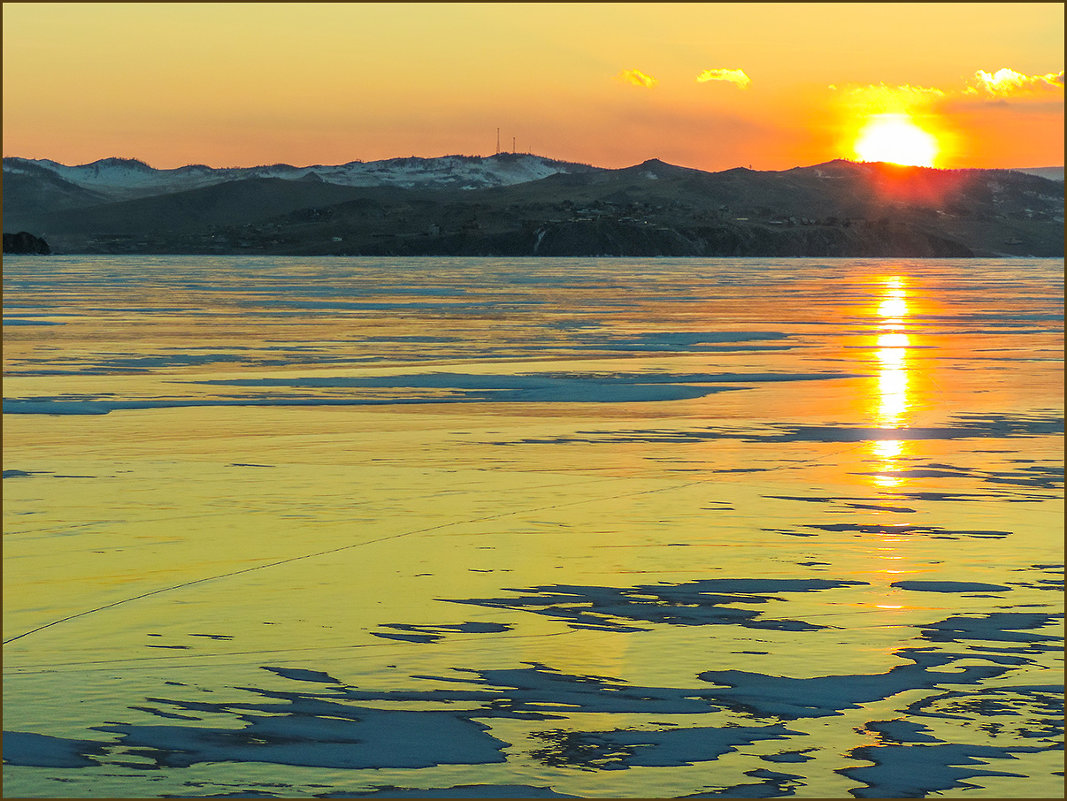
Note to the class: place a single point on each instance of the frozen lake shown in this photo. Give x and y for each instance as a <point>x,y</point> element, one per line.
<point>489,527</point>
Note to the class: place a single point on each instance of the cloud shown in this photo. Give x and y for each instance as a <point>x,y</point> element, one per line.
<point>736,77</point>
<point>882,99</point>
<point>637,78</point>
<point>1007,81</point>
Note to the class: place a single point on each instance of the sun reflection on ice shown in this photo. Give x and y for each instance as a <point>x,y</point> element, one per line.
<point>892,357</point>
<point>892,402</point>
<point>894,307</point>
<point>890,565</point>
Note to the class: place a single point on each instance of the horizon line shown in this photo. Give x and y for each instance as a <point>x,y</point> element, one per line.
<point>506,154</point>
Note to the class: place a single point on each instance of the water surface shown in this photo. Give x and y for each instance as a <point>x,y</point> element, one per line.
<point>574,527</point>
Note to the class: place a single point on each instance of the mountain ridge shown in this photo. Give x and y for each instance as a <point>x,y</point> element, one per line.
<point>123,178</point>
<point>520,204</point>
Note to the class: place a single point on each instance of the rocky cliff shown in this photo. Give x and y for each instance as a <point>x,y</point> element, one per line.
<point>24,242</point>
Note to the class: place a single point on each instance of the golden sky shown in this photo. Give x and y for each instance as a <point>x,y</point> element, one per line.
<point>704,85</point>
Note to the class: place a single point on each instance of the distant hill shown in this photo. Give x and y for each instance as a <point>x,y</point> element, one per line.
<point>519,204</point>
<point>34,189</point>
<point>1052,173</point>
<point>123,179</point>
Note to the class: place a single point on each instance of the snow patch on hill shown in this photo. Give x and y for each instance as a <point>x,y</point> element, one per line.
<point>128,178</point>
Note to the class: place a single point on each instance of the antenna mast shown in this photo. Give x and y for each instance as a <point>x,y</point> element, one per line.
<point>498,141</point>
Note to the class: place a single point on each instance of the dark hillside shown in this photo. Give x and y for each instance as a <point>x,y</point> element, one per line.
<point>651,209</point>
<point>32,191</point>
<point>197,210</point>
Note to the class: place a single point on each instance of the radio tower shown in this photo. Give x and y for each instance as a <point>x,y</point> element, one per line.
<point>498,141</point>
<point>513,144</point>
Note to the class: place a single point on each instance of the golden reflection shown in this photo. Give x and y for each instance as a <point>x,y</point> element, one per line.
<point>892,358</point>
<point>890,562</point>
<point>894,306</point>
<point>889,344</point>
<point>892,403</point>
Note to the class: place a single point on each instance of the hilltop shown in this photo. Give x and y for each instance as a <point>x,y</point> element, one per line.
<point>521,204</point>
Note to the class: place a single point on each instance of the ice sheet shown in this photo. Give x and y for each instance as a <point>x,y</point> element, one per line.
<point>532,528</point>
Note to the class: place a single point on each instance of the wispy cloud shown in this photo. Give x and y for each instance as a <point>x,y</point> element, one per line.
<point>1007,81</point>
<point>736,77</point>
<point>882,99</point>
<point>637,78</point>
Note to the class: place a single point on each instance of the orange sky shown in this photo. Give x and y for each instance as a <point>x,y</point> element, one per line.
<point>705,85</point>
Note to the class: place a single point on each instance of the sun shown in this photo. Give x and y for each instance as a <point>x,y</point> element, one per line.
<point>896,139</point>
